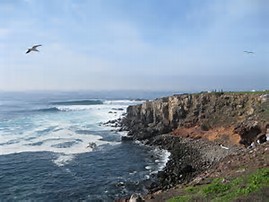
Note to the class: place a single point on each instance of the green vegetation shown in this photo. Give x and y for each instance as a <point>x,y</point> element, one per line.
<point>250,92</point>
<point>264,111</point>
<point>221,92</point>
<point>224,190</point>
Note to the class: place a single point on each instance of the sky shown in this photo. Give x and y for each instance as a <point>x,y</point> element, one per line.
<point>145,45</point>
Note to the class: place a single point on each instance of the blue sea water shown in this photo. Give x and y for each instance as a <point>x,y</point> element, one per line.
<point>53,147</point>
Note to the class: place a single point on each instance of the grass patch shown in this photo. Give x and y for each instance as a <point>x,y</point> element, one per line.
<point>264,111</point>
<point>219,190</point>
<point>184,198</point>
<point>249,92</point>
<point>220,92</point>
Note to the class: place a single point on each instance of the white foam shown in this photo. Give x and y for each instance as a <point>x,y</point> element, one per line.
<point>38,140</point>
<point>75,107</point>
<point>56,132</point>
<point>63,159</point>
<point>52,143</point>
<point>48,142</point>
<point>148,167</point>
<point>163,157</point>
<point>123,133</point>
<point>99,112</point>
<point>147,177</point>
<point>123,102</point>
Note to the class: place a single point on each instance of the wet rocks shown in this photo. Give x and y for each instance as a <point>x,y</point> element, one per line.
<point>136,198</point>
<point>92,145</point>
<point>188,158</point>
<point>118,109</point>
<point>114,123</point>
<point>127,138</point>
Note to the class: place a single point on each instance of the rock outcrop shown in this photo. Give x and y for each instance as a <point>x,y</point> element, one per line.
<point>246,113</point>
<point>186,124</point>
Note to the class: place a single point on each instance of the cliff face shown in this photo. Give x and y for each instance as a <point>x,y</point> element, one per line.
<point>246,113</point>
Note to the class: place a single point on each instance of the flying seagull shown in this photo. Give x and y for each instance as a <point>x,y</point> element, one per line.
<point>249,52</point>
<point>33,49</point>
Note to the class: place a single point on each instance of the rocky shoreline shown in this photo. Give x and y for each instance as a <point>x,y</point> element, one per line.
<point>189,157</point>
<point>188,126</point>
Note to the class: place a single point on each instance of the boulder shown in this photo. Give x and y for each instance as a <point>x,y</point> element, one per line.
<point>127,138</point>
<point>248,131</point>
<point>261,138</point>
<point>136,198</point>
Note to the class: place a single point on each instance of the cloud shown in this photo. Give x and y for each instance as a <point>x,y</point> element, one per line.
<point>97,44</point>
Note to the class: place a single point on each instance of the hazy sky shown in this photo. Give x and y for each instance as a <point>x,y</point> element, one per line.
<point>134,44</point>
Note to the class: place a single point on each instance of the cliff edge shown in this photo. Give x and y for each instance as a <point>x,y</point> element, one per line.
<point>201,131</point>
<point>232,118</point>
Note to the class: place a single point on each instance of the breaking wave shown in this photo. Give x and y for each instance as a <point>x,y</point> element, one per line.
<point>50,109</point>
<point>78,102</point>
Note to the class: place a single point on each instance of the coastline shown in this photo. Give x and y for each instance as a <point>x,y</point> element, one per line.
<point>194,153</point>
<point>188,158</point>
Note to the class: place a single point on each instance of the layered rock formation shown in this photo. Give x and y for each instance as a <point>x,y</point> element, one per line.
<point>246,114</point>
<point>186,125</point>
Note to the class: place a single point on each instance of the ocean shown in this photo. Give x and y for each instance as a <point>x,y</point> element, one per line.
<point>55,147</point>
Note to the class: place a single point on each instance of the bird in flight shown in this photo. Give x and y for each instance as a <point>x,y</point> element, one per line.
<point>249,52</point>
<point>33,49</point>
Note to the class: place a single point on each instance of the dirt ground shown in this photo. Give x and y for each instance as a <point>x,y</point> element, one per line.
<point>225,134</point>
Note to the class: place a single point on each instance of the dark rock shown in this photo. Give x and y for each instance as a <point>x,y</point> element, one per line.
<point>261,138</point>
<point>92,145</point>
<point>204,127</point>
<point>120,184</point>
<point>118,109</point>
<point>248,131</point>
<point>187,169</point>
<point>136,198</point>
<point>127,138</point>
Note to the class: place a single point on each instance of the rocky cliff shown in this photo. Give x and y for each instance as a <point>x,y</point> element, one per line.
<point>245,114</point>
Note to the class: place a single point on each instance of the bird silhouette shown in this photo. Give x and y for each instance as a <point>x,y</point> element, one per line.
<point>33,49</point>
<point>249,52</point>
